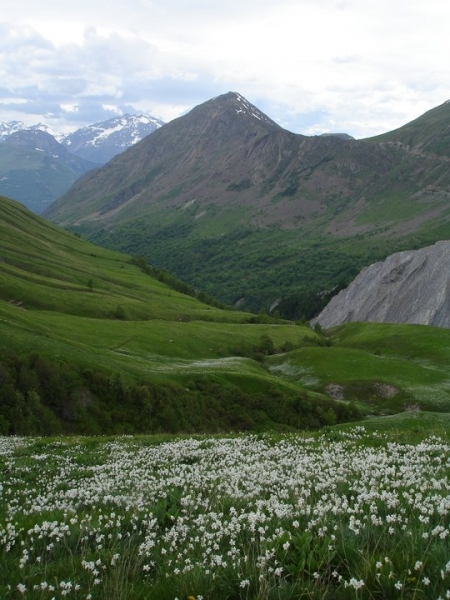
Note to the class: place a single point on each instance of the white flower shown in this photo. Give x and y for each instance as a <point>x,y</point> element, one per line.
<point>356,584</point>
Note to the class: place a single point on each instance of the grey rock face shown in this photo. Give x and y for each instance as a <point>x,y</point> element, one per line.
<point>408,287</point>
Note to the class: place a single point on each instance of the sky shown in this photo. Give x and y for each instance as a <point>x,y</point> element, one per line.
<point>362,67</point>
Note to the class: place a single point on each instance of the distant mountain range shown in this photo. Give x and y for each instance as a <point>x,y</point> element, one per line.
<point>102,141</point>
<point>261,217</point>
<point>35,169</point>
<point>37,165</point>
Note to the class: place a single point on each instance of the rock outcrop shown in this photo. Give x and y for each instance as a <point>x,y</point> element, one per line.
<point>408,287</point>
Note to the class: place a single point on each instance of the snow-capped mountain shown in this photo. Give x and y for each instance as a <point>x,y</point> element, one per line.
<point>97,143</point>
<point>101,141</point>
<point>11,127</point>
<point>46,129</point>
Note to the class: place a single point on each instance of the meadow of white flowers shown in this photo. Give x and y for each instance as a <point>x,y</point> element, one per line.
<point>347,515</point>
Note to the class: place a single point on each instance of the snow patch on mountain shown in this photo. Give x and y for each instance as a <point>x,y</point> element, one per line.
<point>249,109</point>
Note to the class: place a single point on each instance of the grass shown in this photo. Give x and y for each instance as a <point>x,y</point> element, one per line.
<point>105,328</point>
<point>410,359</point>
<point>348,512</point>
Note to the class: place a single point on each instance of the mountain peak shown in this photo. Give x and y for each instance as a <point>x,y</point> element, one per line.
<point>10,127</point>
<point>102,141</point>
<point>243,107</point>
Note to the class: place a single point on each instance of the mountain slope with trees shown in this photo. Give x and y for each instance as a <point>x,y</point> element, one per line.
<point>97,342</point>
<point>261,217</point>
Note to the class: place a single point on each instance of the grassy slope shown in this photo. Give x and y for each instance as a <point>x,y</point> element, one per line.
<point>426,132</point>
<point>72,302</point>
<point>389,367</point>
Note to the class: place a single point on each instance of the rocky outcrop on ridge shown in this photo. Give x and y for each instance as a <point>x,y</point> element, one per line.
<point>408,287</point>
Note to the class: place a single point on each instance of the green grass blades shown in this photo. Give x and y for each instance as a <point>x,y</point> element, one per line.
<point>349,512</point>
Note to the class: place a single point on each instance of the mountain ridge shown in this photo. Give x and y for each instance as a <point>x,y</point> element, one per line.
<point>241,150</point>
<point>97,142</point>
<point>102,141</point>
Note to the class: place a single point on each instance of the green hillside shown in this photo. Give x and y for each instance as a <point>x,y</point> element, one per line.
<point>429,133</point>
<point>97,342</point>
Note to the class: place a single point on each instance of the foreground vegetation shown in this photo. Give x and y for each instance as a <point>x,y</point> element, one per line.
<point>348,513</point>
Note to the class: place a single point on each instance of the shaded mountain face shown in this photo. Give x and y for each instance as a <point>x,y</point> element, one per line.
<point>408,287</point>
<point>234,204</point>
<point>100,142</point>
<point>35,169</point>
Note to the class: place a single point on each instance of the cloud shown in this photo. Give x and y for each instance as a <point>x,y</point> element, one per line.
<point>313,65</point>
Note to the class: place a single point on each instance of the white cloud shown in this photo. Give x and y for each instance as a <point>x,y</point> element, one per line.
<point>313,65</point>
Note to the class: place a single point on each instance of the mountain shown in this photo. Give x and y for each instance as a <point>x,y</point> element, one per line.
<point>428,134</point>
<point>102,141</point>
<point>10,127</point>
<point>35,169</point>
<point>408,287</point>
<point>261,217</point>
<point>344,136</point>
<point>6,129</point>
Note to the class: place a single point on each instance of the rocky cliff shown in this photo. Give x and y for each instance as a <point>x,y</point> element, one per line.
<point>408,287</point>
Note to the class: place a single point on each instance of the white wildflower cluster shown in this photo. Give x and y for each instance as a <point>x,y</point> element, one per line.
<point>271,512</point>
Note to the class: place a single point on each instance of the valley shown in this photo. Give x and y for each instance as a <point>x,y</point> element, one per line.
<point>158,439</point>
<point>262,218</point>
<point>93,340</point>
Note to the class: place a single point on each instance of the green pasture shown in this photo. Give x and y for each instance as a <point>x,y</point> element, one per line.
<point>95,324</point>
<point>387,367</point>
